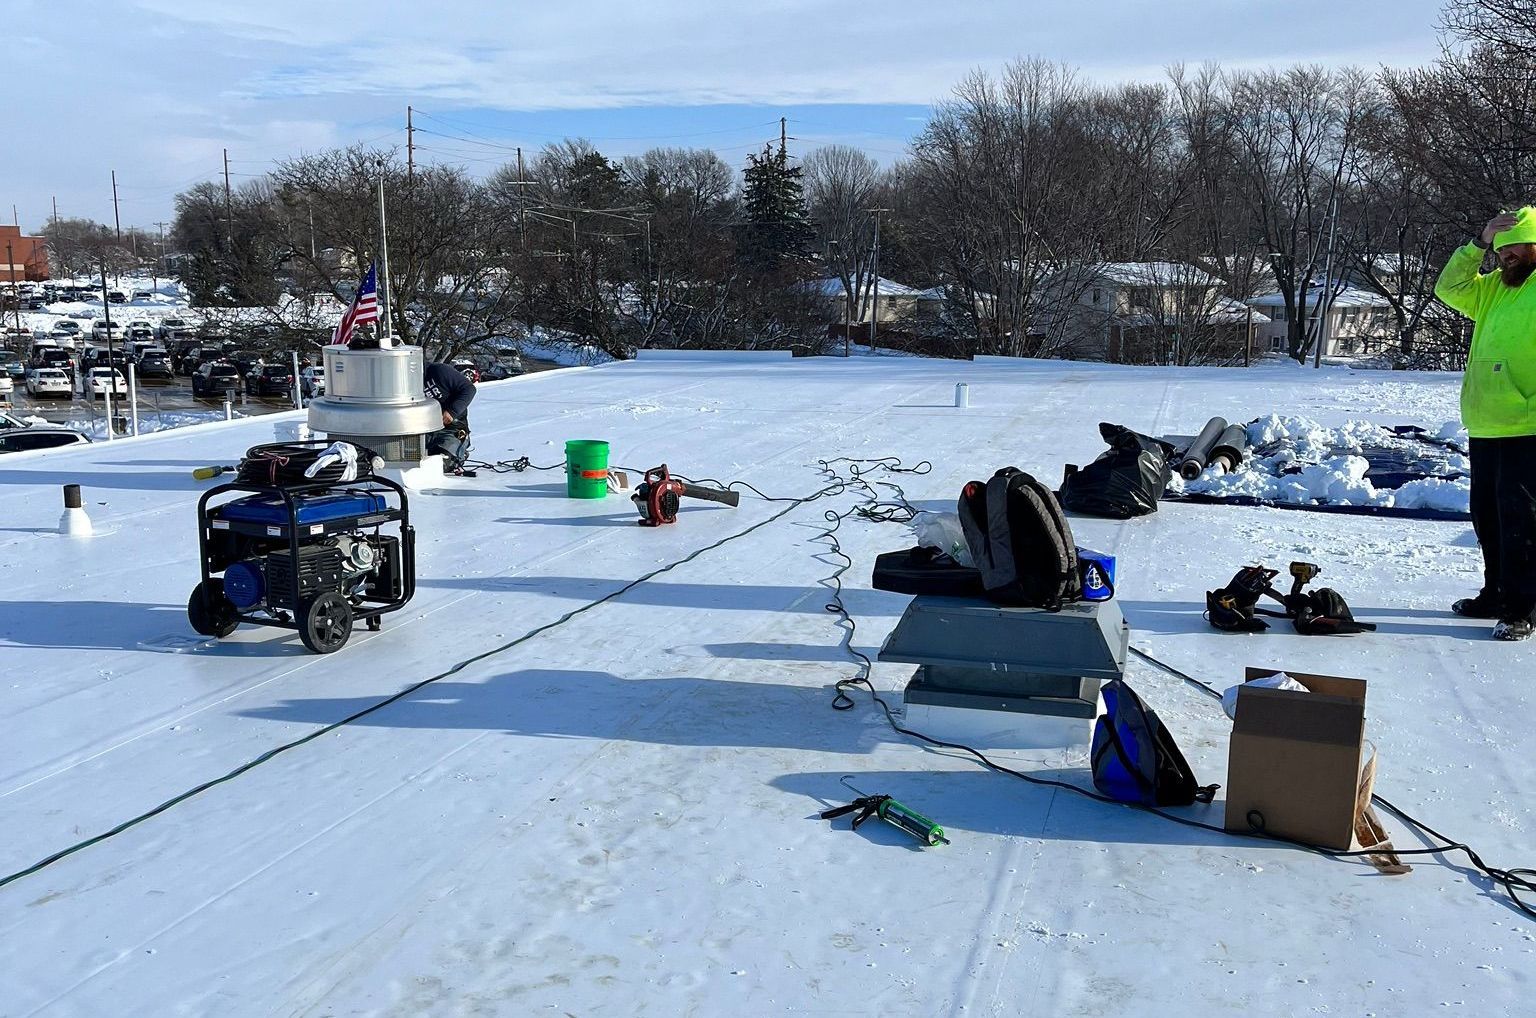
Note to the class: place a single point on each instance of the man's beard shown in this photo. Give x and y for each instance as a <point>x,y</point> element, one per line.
<point>1516,274</point>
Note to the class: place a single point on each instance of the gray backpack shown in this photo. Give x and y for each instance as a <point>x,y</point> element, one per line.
<point>1020,541</point>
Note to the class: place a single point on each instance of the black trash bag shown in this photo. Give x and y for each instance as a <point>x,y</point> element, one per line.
<point>1125,481</point>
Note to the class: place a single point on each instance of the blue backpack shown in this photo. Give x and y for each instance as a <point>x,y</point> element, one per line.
<point>1135,759</point>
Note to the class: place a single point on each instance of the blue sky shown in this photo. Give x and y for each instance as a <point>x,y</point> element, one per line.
<point>156,89</point>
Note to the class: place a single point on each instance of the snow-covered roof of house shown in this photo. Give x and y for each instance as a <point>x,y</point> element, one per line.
<point>1153,274</point>
<point>606,799</point>
<point>833,287</point>
<point>1345,297</point>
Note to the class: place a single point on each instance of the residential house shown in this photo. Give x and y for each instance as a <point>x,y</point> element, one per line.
<point>1144,311</point>
<point>1359,322</point>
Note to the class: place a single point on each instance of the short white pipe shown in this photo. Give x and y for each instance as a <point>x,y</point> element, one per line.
<point>74,522</point>
<point>962,395</point>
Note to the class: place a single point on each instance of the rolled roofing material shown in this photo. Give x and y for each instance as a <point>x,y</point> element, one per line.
<point>1199,451</point>
<point>1231,447</point>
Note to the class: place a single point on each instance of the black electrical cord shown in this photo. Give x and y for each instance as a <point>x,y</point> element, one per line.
<point>834,488</point>
<point>1513,881</point>
<point>516,466</point>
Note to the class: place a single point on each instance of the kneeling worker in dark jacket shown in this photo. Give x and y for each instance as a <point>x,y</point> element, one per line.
<point>453,392</point>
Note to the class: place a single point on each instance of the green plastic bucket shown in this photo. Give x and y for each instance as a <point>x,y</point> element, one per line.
<point>586,469</point>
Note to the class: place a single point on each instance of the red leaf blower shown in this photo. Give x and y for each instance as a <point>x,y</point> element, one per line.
<point>659,495</point>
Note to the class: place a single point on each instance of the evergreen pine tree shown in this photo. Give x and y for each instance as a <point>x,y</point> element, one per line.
<point>773,198</point>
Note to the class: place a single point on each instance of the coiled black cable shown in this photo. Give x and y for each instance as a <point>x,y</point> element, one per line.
<point>282,464</point>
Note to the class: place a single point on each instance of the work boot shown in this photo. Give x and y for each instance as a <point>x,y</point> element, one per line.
<point>1483,606</point>
<point>1513,629</point>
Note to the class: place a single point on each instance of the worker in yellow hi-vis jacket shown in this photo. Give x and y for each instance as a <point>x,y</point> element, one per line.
<point>1498,407</point>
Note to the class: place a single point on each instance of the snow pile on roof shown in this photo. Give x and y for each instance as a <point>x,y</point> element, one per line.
<point>1299,461</point>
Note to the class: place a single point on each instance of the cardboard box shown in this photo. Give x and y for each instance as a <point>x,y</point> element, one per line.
<point>1294,759</point>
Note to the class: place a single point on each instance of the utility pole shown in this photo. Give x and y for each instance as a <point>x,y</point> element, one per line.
<point>783,133</point>
<point>229,205</point>
<point>10,264</point>
<point>117,222</point>
<point>874,316</point>
<point>159,256</point>
<point>1327,297</point>
<point>106,309</point>
<point>410,147</point>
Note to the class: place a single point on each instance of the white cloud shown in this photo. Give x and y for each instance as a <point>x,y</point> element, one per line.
<point>177,80</point>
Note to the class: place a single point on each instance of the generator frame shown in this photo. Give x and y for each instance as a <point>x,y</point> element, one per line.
<point>320,635</point>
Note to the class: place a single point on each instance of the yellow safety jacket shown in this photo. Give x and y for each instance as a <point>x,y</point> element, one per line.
<point>1498,391</point>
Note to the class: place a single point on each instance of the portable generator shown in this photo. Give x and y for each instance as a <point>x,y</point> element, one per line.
<point>311,555</point>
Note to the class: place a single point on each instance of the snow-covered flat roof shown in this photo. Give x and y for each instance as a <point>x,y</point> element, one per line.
<point>616,816</point>
<point>1346,297</point>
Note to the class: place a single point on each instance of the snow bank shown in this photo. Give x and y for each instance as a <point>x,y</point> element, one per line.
<point>1296,460</point>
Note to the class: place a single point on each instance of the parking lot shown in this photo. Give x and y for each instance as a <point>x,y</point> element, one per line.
<point>156,397</point>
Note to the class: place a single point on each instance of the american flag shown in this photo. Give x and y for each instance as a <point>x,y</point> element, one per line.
<point>364,309</point>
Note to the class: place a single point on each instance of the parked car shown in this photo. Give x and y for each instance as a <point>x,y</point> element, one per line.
<point>103,330</point>
<point>16,335</point>
<point>64,328</point>
<point>12,366</point>
<point>7,387</point>
<point>117,297</point>
<point>55,357</point>
<point>119,359</point>
<point>140,328</point>
<point>174,328</point>
<point>270,380</point>
<point>48,382</point>
<point>11,421</point>
<point>38,436</point>
<point>494,369</point>
<point>216,378</point>
<point>245,360</point>
<point>154,363</point>
<point>100,381</point>
<point>312,381</point>
<point>467,368</point>
<point>143,295</point>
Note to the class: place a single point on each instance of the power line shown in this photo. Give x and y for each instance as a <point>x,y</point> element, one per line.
<point>595,137</point>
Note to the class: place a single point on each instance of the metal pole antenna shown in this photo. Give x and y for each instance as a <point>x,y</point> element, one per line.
<point>385,307</point>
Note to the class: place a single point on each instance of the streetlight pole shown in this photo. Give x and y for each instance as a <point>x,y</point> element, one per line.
<point>874,315</point>
<point>106,309</point>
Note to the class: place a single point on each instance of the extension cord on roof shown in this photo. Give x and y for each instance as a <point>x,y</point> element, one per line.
<point>1513,881</point>
<point>832,489</point>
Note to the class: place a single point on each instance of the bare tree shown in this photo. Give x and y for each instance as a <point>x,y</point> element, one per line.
<point>841,186</point>
<point>1297,134</point>
<point>685,270</point>
<point>1506,24</point>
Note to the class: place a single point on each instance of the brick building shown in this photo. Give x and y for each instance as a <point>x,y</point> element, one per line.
<point>21,257</point>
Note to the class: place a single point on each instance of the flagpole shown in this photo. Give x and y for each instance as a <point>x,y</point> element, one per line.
<point>386,334</point>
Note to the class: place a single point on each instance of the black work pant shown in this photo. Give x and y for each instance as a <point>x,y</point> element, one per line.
<point>1504,518</point>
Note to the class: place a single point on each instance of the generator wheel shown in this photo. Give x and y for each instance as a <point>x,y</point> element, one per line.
<point>210,611</point>
<point>325,622</point>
